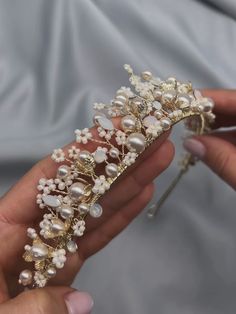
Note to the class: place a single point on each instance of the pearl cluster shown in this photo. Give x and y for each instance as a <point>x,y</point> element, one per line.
<point>72,195</point>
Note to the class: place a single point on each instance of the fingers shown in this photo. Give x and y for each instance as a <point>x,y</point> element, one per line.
<point>49,300</point>
<point>225,106</point>
<point>100,237</point>
<point>218,154</point>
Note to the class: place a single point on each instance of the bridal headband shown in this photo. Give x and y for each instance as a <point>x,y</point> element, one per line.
<point>84,176</point>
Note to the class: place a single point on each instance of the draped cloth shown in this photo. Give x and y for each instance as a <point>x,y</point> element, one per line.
<point>58,57</point>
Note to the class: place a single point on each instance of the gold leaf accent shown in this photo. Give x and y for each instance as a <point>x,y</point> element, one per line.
<point>27,257</point>
<point>39,265</point>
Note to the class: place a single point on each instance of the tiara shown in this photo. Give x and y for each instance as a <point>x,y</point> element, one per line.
<point>66,200</point>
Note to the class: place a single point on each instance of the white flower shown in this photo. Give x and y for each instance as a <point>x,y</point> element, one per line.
<point>39,200</point>
<point>31,233</point>
<point>59,258</point>
<point>83,136</point>
<point>73,152</point>
<point>45,225</point>
<point>129,158</point>
<point>120,138</point>
<point>98,106</point>
<point>126,90</point>
<point>113,112</point>
<point>62,183</point>
<point>101,185</point>
<point>106,134</point>
<point>58,155</point>
<point>79,228</point>
<point>46,186</point>
<point>154,129</point>
<point>40,279</point>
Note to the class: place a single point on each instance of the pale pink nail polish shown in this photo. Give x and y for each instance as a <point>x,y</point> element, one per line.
<point>195,147</point>
<point>79,302</point>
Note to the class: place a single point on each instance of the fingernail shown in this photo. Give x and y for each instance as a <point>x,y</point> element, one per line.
<point>195,147</point>
<point>79,303</point>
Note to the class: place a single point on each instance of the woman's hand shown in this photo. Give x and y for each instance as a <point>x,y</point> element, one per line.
<point>122,203</point>
<point>218,150</point>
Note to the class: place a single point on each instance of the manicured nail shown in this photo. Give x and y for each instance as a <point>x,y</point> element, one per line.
<point>195,147</point>
<point>79,303</point>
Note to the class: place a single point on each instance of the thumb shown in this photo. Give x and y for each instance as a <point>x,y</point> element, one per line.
<point>217,153</point>
<point>50,300</point>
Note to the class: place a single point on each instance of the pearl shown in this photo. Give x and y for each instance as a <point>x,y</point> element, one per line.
<point>105,123</point>
<point>114,152</point>
<point>146,75</point>
<point>168,97</point>
<point>72,247</point>
<point>165,123</point>
<point>39,252</point>
<point>96,117</point>
<point>51,200</point>
<point>51,272</point>
<point>111,170</point>
<point>83,208</point>
<point>183,101</point>
<point>136,142</point>
<point>149,120</point>
<point>157,105</point>
<point>99,156</point>
<point>25,277</point>
<point>171,81</point>
<point>63,171</point>
<point>66,211</point>
<point>96,210</point>
<point>77,191</point>
<point>208,105</point>
<point>158,114</point>
<point>118,103</point>
<point>157,93</point>
<point>84,156</point>
<point>128,123</point>
<point>122,98</point>
<point>57,226</point>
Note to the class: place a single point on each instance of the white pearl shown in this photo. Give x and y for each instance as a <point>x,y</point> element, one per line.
<point>99,156</point>
<point>149,120</point>
<point>25,277</point>
<point>83,208</point>
<point>165,123</point>
<point>158,114</point>
<point>84,156</point>
<point>96,210</point>
<point>128,123</point>
<point>63,171</point>
<point>51,272</point>
<point>51,200</point>
<point>114,152</point>
<point>157,93</point>
<point>72,247</point>
<point>96,117</point>
<point>183,101</point>
<point>118,103</point>
<point>111,170</point>
<point>157,105</point>
<point>39,252</point>
<point>147,75</point>
<point>208,105</point>
<point>168,97</point>
<point>77,190</point>
<point>122,98</point>
<point>105,123</point>
<point>57,226</point>
<point>136,142</point>
<point>66,211</point>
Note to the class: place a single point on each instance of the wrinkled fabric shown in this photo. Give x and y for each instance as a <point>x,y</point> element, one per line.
<point>58,57</point>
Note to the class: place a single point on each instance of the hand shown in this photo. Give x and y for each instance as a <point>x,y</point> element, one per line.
<point>218,149</point>
<point>123,202</point>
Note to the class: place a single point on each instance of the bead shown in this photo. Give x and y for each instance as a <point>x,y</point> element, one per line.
<point>57,226</point>
<point>95,210</point>
<point>105,123</point>
<point>72,247</point>
<point>158,114</point>
<point>149,120</point>
<point>25,277</point>
<point>122,98</point>
<point>51,200</point>
<point>39,252</point>
<point>128,123</point>
<point>83,208</point>
<point>118,103</point>
<point>183,101</point>
<point>84,156</point>
<point>51,272</point>
<point>165,123</point>
<point>146,75</point>
<point>168,97</point>
<point>114,152</point>
<point>96,117</point>
<point>136,142</point>
<point>77,191</point>
<point>63,171</point>
<point>171,81</point>
<point>66,211</point>
<point>208,105</point>
<point>99,156</point>
<point>111,170</point>
<point>157,93</point>
<point>157,105</point>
